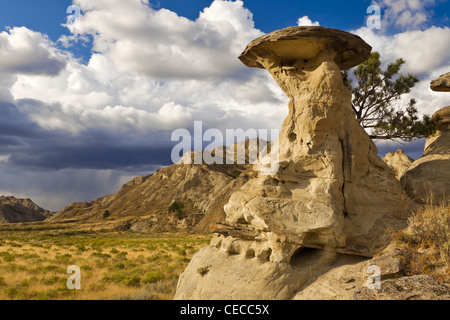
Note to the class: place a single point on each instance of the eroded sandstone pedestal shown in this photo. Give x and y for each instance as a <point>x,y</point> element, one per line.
<point>331,195</point>
<point>428,178</point>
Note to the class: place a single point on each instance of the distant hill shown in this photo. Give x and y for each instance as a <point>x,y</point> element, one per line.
<point>199,192</point>
<point>13,210</point>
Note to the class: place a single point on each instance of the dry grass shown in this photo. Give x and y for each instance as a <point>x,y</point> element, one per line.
<point>424,247</point>
<point>113,265</point>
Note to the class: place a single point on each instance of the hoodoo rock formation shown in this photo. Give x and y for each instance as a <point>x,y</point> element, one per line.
<point>398,161</point>
<point>428,177</point>
<point>332,194</point>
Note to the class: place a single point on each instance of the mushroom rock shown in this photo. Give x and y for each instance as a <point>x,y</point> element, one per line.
<point>428,177</point>
<point>331,194</point>
<point>442,83</point>
<point>398,161</point>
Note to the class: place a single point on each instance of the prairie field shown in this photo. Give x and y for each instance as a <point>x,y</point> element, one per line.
<point>113,265</point>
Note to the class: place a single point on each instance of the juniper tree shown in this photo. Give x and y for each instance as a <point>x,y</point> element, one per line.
<point>373,101</point>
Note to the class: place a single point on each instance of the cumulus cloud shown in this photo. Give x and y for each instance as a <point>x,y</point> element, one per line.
<point>151,71</point>
<point>406,14</point>
<point>28,52</point>
<point>163,45</point>
<point>154,70</point>
<point>426,54</point>
<point>305,21</point>
<point>424,51</point>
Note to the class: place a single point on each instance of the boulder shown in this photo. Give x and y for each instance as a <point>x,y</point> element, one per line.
<point>331,193</point>
<point>398,162</point>
<point>427,179</point>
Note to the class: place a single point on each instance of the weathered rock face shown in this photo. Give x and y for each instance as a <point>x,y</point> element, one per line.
<point>428,177</point>
<point>13,210</point>
<point>332,193</point>
<point>398,162</point>
<point>442,83</point>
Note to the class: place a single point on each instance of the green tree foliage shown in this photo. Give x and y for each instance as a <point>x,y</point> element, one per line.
<point>177,207</point>
<point>106,214</point>
<point>373,98</point>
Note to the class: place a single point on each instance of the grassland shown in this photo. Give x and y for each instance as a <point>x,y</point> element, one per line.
<point>114,265</point>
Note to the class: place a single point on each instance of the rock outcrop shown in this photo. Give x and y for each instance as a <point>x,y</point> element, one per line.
<point>14,210</point>
<point>442,83</point>
<point>331,195</point>
<point>428,177</point>
<point>347,279</point>
<point>202,189</point>
<point>398,161</point>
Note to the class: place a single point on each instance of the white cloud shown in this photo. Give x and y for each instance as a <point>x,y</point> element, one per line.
<point>163,45</point>
<point>155,70</point>
<point>405,14</point>
<point>68,41</point>
<point>28,52</point>
<point>423,51</point>
<point>305,21</point>
<point>427,56</point>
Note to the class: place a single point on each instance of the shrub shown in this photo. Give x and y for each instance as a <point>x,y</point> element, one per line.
<point>424,246</point>
<point>7,256</point>
<point>235,174</point>
<point>177,207</point>
<point>51,280</point>
<point>133,281</point>
<point>123,278</point>
<point>81,248</point>
<point>119,266</point>
<point>153,277</point>
<point>11,292</point>
<point>63,259</point>
<point>203,270</point>
<point>49,294</point>
<point>100,255</point>
<point>106,214</point>
<point>85,267</point>
<point>50,268</point>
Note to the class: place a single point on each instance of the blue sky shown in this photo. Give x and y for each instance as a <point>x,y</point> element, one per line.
<point>88,106</point>
<point>47,16</point>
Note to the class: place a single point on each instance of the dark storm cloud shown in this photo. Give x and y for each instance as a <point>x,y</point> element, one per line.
<point>31,146</point>
<point>413,149</point>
